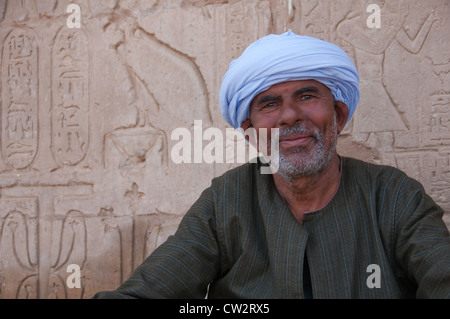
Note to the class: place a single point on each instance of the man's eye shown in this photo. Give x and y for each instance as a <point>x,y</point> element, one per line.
<point>306,97</point>
<point>269,105</point>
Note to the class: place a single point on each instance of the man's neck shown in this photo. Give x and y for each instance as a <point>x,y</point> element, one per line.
<point>310,193</point>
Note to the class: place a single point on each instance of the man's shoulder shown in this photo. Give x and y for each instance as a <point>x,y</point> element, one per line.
<point>369,167</point>
<point>244,175</point>
<point>381,174</point>
<point>247,169</point>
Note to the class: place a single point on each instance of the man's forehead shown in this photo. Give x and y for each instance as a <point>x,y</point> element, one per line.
<point>310,85</point>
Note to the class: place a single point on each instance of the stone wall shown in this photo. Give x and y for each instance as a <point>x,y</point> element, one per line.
<point>87,176</point>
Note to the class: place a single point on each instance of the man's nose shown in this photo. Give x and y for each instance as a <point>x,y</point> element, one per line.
<point>290,113</point>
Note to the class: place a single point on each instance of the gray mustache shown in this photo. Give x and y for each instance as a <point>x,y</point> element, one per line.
<point>298,129</point>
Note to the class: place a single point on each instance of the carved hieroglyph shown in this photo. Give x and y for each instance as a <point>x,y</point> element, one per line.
<point>86,175</point>
<point>20,98</point>
<point>70,95</point>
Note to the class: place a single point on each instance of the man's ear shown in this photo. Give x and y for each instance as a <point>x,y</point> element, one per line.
<point>245,125</point>
<point>342,112</point>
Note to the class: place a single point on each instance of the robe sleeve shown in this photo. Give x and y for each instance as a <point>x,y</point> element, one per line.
<point>184,265</point>
<point>422,241</point>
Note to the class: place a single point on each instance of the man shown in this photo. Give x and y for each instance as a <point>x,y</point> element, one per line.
<point>321,226</point>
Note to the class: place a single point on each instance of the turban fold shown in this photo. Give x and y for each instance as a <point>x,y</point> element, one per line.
<point>287,57</point>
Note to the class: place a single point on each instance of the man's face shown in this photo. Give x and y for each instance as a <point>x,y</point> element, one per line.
<point>308,120</point>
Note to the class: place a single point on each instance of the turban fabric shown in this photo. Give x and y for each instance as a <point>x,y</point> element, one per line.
<point>287,57</point>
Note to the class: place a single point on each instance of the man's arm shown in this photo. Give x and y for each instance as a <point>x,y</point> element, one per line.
<point>423,241</point>
<point>184,265</point>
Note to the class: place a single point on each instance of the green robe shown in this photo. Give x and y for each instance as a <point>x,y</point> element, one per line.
<point>381,236</point>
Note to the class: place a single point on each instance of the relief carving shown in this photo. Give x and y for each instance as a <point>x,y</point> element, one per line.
<point>18,248</point>
<point>87,114</point>
<point>72,242</point>
<point>70,96</point>
<point>20,100</point>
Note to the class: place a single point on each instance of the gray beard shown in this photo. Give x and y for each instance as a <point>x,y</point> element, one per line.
<point>299,164</point>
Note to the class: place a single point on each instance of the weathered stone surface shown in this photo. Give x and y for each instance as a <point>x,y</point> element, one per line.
<point>87,115</point>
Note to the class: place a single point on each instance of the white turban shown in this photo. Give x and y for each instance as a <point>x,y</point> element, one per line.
<point>287,57</point>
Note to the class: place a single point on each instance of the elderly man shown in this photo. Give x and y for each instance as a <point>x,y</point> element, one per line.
<point>321,226</point>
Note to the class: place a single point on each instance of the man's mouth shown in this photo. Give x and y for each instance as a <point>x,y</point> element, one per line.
<point>296,139</point>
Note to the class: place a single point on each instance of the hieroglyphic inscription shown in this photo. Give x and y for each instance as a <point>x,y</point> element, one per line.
<point>72,240</point>
<point>437,126</point>
<point>36,244</point>
<point>237,14</point>
<point>20,99</point>
<point>18,248</point>
<point>70,93</point>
